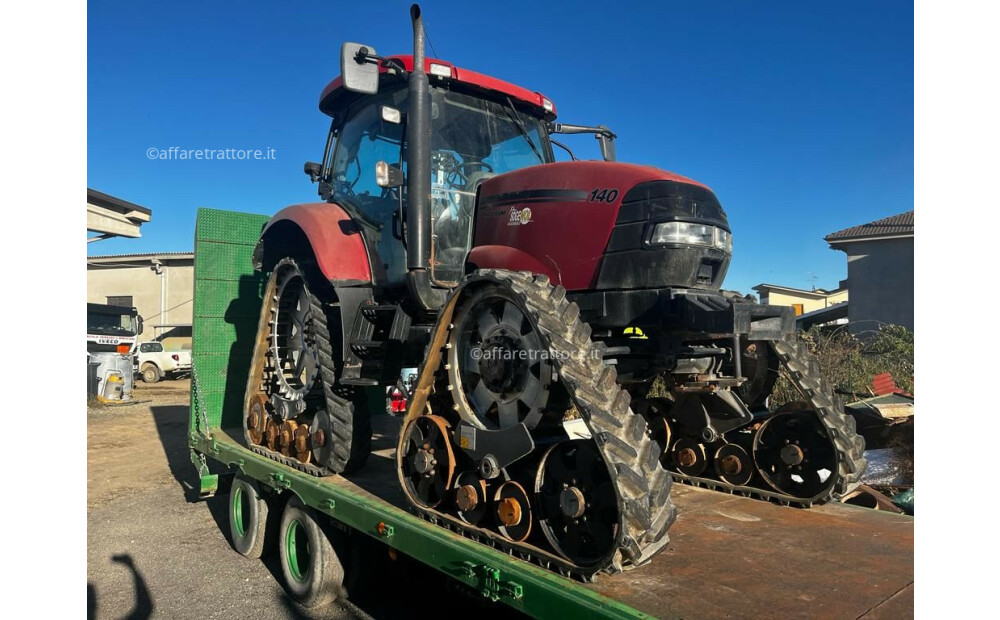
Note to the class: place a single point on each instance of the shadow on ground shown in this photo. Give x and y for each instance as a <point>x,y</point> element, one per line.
<point>143,600</point>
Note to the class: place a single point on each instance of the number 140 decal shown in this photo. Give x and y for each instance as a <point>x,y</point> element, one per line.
<point>603,195</point>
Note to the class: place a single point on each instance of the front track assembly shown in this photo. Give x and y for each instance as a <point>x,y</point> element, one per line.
<point>494,460</point>
<point>804,453</point>
<point>296,414</point>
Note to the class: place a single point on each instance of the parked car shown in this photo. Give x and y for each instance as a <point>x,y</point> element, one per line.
<point>155,363</point>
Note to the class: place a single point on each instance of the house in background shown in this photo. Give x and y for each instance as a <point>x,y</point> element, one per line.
<point>880,270</point>
<point>801,300</point>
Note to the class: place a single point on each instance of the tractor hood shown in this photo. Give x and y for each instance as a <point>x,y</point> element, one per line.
<point>590,225</point>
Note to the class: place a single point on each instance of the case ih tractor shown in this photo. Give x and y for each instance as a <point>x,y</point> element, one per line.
<point>540,301</point>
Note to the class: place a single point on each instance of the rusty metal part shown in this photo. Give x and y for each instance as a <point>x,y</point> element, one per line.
<point>466,497</point>
<point>303,451</point>
<point>257,418</point>
<point>286,437</point>
<point>513,511</point>
<point>429,461</point>
<point>271,437</point>
<point>319,438</point>
<point>470,497</point>
<point>689,456</point>
<point>733,465</point>
<point>509,511</point>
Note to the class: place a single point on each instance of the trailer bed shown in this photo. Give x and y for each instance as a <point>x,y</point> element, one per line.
<point>728,556</point>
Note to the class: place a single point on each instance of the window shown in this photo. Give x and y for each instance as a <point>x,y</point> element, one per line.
<point>151,347</point>
<point>120,300</point>
<point>798,309</point>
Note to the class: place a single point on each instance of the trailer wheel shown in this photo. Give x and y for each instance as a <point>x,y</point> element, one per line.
<point>247,517</point>
<point>150,373</point>
<point>314,573</point>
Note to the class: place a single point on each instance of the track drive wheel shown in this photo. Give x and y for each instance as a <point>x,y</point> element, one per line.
<point>499,372</point>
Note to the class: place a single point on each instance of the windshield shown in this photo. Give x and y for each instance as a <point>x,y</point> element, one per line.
<point>472,139</point>
<point>111,324</point>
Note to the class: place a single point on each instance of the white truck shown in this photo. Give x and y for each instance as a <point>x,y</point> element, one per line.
<point>156,363</point>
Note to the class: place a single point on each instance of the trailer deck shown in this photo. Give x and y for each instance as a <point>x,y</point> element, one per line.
<point>728,556</point>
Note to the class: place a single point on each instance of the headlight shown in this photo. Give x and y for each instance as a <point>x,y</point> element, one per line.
<point>689,233</point>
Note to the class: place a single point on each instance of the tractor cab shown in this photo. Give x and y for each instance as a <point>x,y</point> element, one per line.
<point>480,127</point>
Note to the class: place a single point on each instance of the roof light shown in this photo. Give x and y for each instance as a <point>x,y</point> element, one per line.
<point>440,70</point>
<point>547,104</point>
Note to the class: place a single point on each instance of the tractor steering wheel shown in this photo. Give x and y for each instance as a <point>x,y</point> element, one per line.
<point>460,168</point>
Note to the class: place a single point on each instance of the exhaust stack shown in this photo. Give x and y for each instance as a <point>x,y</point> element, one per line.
<point>418,138</point>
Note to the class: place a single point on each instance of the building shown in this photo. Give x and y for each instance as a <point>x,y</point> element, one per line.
<point>160,286</point>
<point>108,216</point>
<point>880,270</point>
<point>801,300</point>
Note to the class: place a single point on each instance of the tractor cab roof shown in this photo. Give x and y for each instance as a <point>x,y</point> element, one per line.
<point>335,96</point>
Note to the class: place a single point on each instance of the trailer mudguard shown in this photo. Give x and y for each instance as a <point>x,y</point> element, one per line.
<point>335,239</point>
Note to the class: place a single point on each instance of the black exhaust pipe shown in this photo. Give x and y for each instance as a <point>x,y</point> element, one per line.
<point>418,173</point>
<point>418,148</point>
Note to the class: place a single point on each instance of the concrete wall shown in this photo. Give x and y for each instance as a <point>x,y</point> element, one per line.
<point>143,284</point>
<point>881,279</point>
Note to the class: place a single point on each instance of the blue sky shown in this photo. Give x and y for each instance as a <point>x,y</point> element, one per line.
<point>798,115</point>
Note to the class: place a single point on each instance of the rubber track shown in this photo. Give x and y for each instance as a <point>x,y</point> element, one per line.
<point>352,436</point>
<point>803,369</point>
<point>632,456</point>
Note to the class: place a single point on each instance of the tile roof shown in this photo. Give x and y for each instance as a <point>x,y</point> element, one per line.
<point>894,226</point>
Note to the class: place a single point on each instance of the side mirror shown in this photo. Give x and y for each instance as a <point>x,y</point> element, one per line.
<point>387,175</point>
<point>140,326</point>
<point>313,170</point>
<point>607,140</point>
<point>359,68</point>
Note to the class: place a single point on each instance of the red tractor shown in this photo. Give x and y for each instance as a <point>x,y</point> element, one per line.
<point>540,300</point>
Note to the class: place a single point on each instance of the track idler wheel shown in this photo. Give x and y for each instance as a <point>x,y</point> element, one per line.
<point>793,452</point>
<point>429,462</point>
<point>256,421</point>
<point>733,465</point>
<point>689,456</point>
<point>471,500</point>
<point>512,510</point>
<point>578,509</point>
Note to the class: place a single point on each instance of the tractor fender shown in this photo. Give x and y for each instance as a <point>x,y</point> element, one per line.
<point>334,238</point>
<point>506,257</point>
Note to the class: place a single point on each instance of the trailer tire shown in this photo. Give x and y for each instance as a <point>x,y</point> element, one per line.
<point>150,373</point>
<point>313,571</point>
<point>247,517</point>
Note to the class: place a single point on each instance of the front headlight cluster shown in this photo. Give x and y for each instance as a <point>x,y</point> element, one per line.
<point>689,233</point>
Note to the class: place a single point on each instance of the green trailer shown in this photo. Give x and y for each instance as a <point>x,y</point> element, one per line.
<point>728,555</point>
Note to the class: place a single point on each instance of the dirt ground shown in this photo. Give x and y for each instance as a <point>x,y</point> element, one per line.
<point>151,551</point>
<point>155,549</point>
